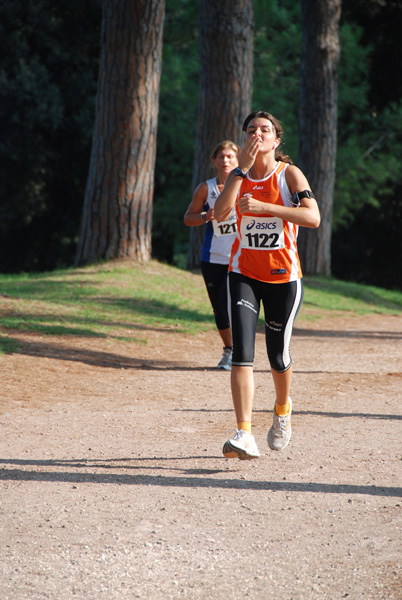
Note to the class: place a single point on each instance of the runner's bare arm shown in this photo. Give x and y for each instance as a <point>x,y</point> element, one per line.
<point>195,215</point>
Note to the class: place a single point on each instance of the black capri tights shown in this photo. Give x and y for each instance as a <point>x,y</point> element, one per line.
<point>281,302</point>
<point>215,277</point>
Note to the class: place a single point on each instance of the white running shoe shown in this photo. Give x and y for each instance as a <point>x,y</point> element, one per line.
<point>281,431</point>
<point>242,445</point>
<point>226,360</point>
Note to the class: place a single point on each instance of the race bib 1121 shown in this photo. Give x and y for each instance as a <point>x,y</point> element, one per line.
<point>228,227</point>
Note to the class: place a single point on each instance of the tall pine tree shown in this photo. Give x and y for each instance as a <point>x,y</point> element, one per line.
<point>226,31</point>
<point>117,216</point>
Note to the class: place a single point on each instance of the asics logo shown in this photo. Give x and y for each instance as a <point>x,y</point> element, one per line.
<point>264,225</point>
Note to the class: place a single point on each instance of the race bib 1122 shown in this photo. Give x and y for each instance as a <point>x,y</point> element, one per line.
<point>262,233</point>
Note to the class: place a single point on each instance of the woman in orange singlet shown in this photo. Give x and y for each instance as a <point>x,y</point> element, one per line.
<point>272,198</point>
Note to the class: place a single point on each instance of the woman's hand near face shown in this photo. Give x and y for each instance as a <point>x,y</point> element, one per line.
<point>249,152</point>
<point>227,198</point>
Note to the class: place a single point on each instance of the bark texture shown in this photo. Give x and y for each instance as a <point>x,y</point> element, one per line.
<point>226,30</point>
<point>117,215</point>
<point>318,123</point>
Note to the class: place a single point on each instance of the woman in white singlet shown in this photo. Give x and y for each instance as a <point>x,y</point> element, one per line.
<point>218,240</point>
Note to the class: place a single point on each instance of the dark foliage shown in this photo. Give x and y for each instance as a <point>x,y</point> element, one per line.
<point>368,250</point>
<point>176,130</point>
<point>381,22</point>
<point>48,83</point>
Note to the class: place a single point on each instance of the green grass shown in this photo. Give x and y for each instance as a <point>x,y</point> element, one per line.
<point>118,300</point>
<point>328,294</point>
<point>125,301</point>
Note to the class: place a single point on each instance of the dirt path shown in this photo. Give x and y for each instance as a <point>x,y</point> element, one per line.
<point>113,485</point>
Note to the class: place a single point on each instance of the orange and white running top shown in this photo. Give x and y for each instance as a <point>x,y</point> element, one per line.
<point>265,246</point>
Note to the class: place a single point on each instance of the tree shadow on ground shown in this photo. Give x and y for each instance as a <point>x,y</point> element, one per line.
<point>187,481</point>
<point>310,413</point>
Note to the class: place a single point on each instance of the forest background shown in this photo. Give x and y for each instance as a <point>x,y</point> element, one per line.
<point>48,80</point>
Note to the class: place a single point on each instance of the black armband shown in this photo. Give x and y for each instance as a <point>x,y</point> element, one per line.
<point>297,196</point>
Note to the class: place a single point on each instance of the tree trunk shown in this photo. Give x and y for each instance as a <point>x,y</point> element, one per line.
<point>117,215</point>
<point>226,32</point>
<point>318,123</point>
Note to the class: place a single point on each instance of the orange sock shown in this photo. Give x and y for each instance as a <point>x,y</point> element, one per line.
<point>245,425</point>
<point>282,409</point>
